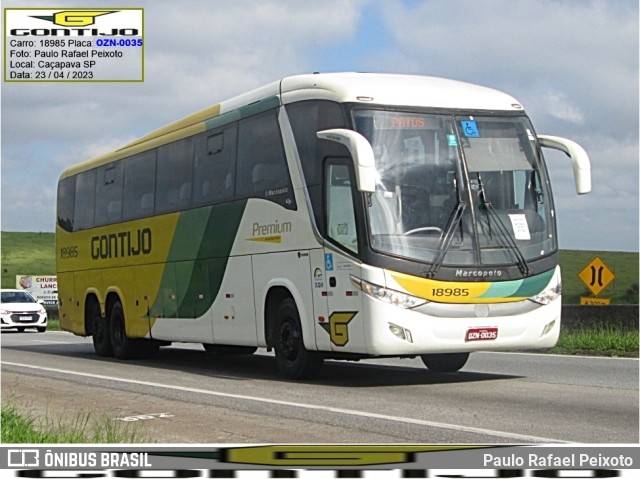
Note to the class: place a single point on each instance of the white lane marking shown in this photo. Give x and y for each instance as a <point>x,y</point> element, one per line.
<point>551,355</point>
<point>350,412</point>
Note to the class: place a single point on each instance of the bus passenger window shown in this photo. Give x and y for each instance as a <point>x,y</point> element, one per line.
<point>214,161</point>
<point>175,172</point>
<point>65,203</point>
<point>139,186</point>
<point>262,166</point>
<point>109,186</point>
<point>85,200</point>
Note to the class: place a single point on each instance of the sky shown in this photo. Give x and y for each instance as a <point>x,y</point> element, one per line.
<point>573,64</point>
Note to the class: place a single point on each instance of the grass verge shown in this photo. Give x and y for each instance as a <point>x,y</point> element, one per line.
<point>19,427</point>
<point>602,342</point>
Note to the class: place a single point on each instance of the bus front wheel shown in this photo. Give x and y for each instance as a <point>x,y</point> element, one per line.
<point>445,363</point>
<point>293,360</point>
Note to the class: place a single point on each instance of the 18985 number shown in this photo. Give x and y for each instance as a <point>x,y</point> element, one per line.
<point>69,252</point>
<point>450,292</point>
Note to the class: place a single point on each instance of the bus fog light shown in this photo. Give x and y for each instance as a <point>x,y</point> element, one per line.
<point>401,332</point>
<point>547,329</point>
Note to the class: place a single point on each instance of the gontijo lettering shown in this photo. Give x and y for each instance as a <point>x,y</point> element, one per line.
<point>86,32</point>
<point>118,245</point>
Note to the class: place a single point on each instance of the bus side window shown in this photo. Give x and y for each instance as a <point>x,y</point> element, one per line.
<point>85,200</point>
<point>175,173</point>
<point>308,117</point>
<point>109,186</point>
<point>215,155</point>
<point>65,203</point>
<point>139,186</point>
<point>262,166</point>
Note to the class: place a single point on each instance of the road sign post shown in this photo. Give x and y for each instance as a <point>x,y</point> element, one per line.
<point>596,276</point>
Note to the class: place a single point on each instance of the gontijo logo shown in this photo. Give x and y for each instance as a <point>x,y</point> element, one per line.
<point>81,22</point>
<point>75,18</point>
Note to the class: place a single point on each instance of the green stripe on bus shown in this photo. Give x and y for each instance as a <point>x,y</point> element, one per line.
<point>197,260</point>
<point>519,288</point>
<point>535,284</point>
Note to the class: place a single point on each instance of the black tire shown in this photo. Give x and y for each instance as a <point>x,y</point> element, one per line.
<point>41,330</point>
<point>21,329</point>
<point>293,360</point>
<point>223,350</point>
<point>445,363</point>
<point>123,346</point>
<point>100,332</point>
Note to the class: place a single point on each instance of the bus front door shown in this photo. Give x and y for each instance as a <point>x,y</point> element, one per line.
<point>343,322</point>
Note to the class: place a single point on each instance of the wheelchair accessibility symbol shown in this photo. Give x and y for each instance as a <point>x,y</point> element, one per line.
<point>328,261</point>
<point>470,128</point>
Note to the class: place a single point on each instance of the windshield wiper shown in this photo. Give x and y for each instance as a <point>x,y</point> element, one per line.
<point>505,239</point>
<point>445,240</point>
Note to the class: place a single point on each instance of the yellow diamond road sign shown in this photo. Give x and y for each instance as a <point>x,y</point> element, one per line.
<point>597,276</point>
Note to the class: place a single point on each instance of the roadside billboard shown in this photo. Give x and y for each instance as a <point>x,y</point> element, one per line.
<point>43,288</point>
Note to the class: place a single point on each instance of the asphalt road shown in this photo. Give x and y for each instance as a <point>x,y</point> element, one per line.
<point>186,396</point>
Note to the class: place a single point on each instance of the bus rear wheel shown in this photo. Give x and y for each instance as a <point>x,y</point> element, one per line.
<point>445,363</point>
<point>123,346</point>
<point>293,360</point>
<point>100,333</point>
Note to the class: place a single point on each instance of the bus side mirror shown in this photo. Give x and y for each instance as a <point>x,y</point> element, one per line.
<point>579,158</point>
<point>361,152</point>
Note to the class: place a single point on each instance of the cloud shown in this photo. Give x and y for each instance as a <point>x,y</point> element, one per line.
<point>585,52</point>
<point>558,106</point>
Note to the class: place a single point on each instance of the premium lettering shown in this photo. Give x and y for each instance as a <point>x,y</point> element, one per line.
<point>271,229</point>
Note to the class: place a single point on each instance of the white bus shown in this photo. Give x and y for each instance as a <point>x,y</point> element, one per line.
<point>324,216</point>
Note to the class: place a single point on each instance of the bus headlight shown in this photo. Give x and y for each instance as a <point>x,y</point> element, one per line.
<point>550,293</point>
<point>387,295</point>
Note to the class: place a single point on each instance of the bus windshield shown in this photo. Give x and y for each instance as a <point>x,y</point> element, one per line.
<point>457,190</point>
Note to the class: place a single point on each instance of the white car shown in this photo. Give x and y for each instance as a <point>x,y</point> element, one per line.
<point>19,310</point>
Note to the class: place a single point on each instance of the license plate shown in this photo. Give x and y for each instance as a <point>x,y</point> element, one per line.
<point>26,318</point>
<point>481,334</point>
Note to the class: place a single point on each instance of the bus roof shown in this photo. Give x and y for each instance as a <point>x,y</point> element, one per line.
<point>393,89</point>
<point>365,88</point>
